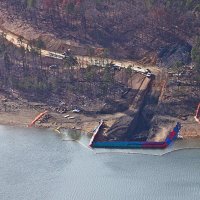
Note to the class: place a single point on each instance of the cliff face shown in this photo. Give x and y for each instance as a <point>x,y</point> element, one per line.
<point>151,31</point>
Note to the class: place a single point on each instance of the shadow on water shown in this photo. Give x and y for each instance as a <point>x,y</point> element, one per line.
<point>70,135</point>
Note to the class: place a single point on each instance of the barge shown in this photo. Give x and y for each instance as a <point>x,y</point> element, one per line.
<point>94,143</point>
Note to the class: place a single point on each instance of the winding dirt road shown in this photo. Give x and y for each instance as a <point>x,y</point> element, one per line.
<point>84,60</point>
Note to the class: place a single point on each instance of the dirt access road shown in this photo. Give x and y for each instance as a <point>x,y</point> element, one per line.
<point>84,60</point>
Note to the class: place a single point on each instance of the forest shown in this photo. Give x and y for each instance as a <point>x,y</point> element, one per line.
<point>148,30</point>
<point>50,80</point>
<point>159,36</point>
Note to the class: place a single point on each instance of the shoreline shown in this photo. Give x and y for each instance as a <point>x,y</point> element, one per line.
<point>178,145</point>
<point>23,117</point>
<point>20,113</point>
<point>183,144</point>
<point>87,127</point>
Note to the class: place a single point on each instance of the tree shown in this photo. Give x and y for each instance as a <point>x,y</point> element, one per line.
<point>178,68</point>
<point>20,40</point>
<point>8,64</point>
<point>2,48</point>
<point>90,52</point>
<point>196,54</point>
<point>7,61</point>
<point>23,53</point>
<point>2,43</point>
<point>40,44</point>
<point>31,3</point>
<point>32,49</point>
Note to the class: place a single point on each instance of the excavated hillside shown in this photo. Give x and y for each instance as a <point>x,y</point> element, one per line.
<point>156,33</point>
<point>161,32</point>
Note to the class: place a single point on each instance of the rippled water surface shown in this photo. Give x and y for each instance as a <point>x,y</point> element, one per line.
<point>40,165</point>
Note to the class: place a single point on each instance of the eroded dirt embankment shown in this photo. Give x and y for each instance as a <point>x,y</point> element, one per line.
<point>16,109</point>
<point>124,127</point>
<point>30,32</point>
<point>148,122</point>
<point>138,83</point>
<point>167,104</point>
<point>143,111</point>
<point>16,27</point>
<point>138,123</point>
<point>159,123</point>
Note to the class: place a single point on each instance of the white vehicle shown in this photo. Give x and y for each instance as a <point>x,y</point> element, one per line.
<point>180,136</point>
<point>139,69</point>
<point>76,111</point>
<point>71,117</point>
<point>149,74</point>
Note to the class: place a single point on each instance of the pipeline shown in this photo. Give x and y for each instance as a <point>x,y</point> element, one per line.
<point>37,118</point>
<point>135,144</point>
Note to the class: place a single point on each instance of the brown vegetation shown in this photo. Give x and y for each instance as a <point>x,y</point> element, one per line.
<point>131,28</point>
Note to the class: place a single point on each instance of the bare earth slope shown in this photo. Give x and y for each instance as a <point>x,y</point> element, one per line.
<point>151,31</point>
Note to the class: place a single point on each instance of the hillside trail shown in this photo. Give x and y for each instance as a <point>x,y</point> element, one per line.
<point>84,60</point>
<point>87,60</point>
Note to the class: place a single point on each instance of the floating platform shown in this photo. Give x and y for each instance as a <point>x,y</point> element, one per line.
<point>134,144</point>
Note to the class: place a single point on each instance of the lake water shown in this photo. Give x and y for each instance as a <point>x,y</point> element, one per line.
<point>41,165</point>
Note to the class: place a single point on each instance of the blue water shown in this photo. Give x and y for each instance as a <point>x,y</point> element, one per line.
<point>39,165</point>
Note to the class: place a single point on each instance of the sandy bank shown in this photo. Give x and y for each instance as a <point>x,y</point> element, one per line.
<point>20,113</point>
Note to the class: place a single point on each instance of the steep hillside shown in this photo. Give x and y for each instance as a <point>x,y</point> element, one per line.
<point>147,30</point>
